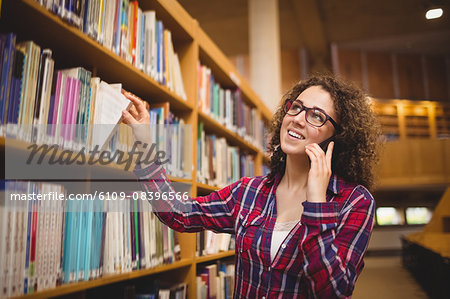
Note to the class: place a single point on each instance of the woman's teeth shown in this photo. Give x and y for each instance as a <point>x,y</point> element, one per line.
<point>293,134</point>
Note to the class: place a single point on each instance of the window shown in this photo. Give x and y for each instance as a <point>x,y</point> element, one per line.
<point>389,216</point>
<point>418,215</point>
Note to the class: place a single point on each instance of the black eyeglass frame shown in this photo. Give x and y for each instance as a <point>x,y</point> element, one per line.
<point>327,117</point>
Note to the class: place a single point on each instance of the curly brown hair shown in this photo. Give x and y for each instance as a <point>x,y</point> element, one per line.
<point>356,143</point>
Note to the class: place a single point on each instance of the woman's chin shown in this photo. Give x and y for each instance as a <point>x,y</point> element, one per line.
<point>293,151</point>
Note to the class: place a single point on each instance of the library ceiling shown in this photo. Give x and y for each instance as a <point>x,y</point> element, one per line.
<point>383,25</point>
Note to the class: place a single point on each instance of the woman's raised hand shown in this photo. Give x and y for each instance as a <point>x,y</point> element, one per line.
<point>320,172</point>
<point>138,118</point>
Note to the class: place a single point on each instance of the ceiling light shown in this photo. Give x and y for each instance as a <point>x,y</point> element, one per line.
<point>434,13</point>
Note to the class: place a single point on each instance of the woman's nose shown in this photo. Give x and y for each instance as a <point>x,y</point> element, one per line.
<point>300,118</point>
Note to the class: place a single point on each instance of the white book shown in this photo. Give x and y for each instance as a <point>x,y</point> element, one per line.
<point>179,78</point>
<point>110,11</point>
<point>31,65</point>
<point>109,104</point>
<point>219,284</point>
<point>150,43</point>
<point>226,238</point>
<point>227,108</point>
<point>205,89</point>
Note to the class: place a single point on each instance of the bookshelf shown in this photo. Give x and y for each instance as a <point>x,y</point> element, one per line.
<point>72,48</point>
<point>406,119</point>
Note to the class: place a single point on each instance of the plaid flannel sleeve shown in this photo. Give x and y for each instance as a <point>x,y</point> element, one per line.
<point>335,243</point>
<point>213,212</point>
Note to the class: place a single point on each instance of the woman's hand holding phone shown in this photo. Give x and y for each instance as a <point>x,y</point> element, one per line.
<point>320,171</point>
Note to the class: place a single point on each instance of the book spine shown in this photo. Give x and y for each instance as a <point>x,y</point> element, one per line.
<point>122,228</point>
<point>34,223</point>
<point>75,108</point>
<point>142,38</point>
<point>88,232</point>
<point>7,64</point>
<point>133,238</point>
<point>75,241</point>
<point>20,58</point>
<point>141,236</point>
<point>136,233</point>
<point>102,246</point>
<point>68,124</point>
<point>27,249</point>
<point>16,82</point>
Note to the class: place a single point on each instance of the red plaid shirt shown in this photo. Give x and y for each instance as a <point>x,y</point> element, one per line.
<point>322,255</point>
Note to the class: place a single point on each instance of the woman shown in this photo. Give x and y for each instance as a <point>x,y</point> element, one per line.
<point>302,230</point>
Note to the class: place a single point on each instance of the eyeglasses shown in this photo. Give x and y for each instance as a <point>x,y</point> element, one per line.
<point>314,116</point>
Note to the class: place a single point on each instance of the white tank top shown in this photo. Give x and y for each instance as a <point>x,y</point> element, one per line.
<point>280,232</point>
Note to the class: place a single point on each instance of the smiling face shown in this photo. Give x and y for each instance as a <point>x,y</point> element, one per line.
<point>296,133</point>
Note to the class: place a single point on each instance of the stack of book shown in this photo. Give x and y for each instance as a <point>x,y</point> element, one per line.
<point>133,34</point>
<point>218,163</point>
<point>48,238</point>
<point>215,281</point>
<point>228,108</point>
<point>171,135</point>
<point>74,110</point>
<point>209,242</point>
<point>34,94</point>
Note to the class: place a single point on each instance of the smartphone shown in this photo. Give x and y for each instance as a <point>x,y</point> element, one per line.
<point>324,144</point>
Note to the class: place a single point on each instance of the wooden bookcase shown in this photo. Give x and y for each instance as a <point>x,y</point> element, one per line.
<point>405,119</point>
<point>72,48</point>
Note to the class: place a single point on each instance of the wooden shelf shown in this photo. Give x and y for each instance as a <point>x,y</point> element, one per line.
<point>205,188</point>
<point>227,74</point>
<point>109,279</point>
<point>80,49</point>
<point>212,257</point>
<point>72,48</point>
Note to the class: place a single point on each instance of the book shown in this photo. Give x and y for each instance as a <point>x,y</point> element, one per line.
<point>6,74</point>
<point>109,105</point>
<point>130,32</point>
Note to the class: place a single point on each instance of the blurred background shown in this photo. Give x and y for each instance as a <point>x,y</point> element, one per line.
<point>399,53</point>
